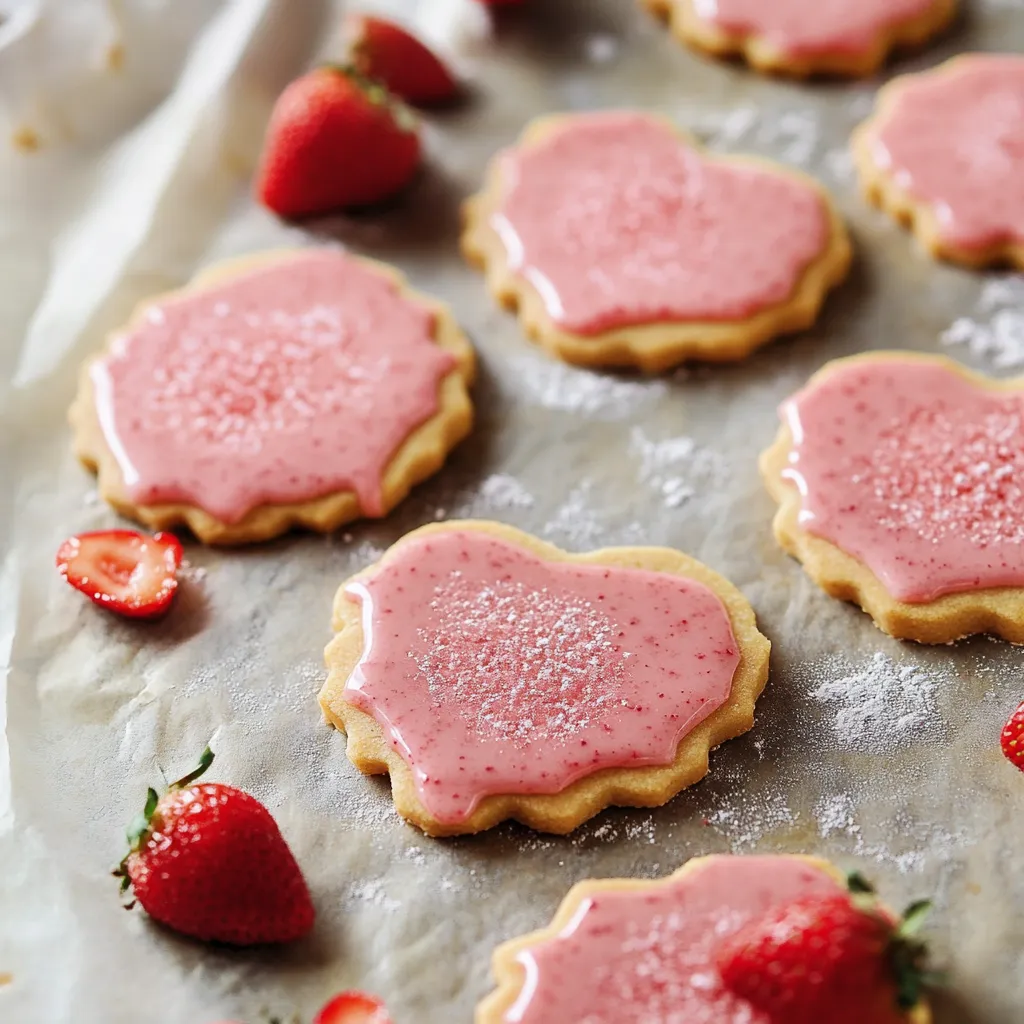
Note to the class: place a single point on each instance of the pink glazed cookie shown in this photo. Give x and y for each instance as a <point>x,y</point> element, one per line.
<point>304,388</point>
<point>623,951</point>
<point>494,676</point>
<point>806,37</point>
<point>621,243</point>
<point>944,154</point>
<point>900,483</point>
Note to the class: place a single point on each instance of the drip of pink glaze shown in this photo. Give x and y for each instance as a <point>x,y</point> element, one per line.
<point>803,28</point>
<point>639,955</point>
<point>493,671</point>
<point>914,470</point>
<point>954,140</point>
<point>294,380</point>
<point>618,222</point>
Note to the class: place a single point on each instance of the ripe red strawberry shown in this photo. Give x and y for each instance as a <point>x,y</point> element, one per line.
<point>381,50</point>
<point>353,1008</point>
<point>122,570</point>
<point>1012,738</point>
<point>335,140</point>
<point>835,958</point>
<point>209,861</point>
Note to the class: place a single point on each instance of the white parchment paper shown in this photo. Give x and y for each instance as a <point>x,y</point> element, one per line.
<point>128,135</point>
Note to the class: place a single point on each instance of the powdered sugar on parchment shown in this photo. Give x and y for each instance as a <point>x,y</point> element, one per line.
<point>880,705</point>
<point>677,468</point>
<point>996,330</point>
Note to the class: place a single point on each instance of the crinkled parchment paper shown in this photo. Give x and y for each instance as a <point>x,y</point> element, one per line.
<point>128,133</point>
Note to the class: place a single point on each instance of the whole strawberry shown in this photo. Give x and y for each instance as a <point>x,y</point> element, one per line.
<point>381,50</point>
<point>1012,738</point>
<point>336,140</point>
<point>834,958</point>
<point>209,861</point>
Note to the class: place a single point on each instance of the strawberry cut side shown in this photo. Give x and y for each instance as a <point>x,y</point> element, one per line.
<point>124,571</point>
<point>353,1008</point>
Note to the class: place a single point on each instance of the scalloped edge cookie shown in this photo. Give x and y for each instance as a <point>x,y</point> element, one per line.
<point>372,754</point>
<point>698,33</point>
<point>997,611</point>
<point>511,976</point>
<point>880,188</point>
<point>652,347</point>
<point>421,455</point>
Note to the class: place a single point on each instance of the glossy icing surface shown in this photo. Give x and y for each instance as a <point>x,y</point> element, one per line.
<point>493,671</point>
<point>618,222</point>
<point>806,27</point>
<point>954,139</point>
<point>293,380</point>
<point>916,471</point>
<point>644,955</point>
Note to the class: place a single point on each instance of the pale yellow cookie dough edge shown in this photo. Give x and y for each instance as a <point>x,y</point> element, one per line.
<point>656,347</point>
<point>911,33</point>
<point>880,188</point>
<point>418,457</point>
<point>372,754</point>
<point>998,611</point>
<point>510,975</point>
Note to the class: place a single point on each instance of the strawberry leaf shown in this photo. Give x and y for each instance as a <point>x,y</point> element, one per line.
<point>858,884</point>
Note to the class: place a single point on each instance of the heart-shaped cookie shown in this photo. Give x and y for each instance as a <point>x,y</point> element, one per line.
<point>945,154</point>
<point>622,243</point>
<point>494,676</point>
<point>900,482</point>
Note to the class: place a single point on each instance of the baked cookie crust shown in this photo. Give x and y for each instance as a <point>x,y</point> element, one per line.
<point>420,456</point>
<point>511,975</point>
<point>882,190</point>
<point>996,610</point>
<point>913,33</point>
<point>653,347</point>
<point>369,750</point>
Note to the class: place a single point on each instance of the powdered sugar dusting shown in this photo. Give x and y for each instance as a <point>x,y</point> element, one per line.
<point>676,468</point>
<point>997,331</point>
<point>881,705</point>
<point>556,650</point>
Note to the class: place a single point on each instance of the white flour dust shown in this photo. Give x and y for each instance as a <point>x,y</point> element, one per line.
<point>881,705</point>
<point>578,524</point>
<point>996,330</point>
<point>499,492</point>
<point>677,469</point>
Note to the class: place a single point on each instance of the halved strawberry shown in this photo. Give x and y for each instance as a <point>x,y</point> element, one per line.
<point>386,52</point>
<point>353,1008</point>
<point>124,571</point>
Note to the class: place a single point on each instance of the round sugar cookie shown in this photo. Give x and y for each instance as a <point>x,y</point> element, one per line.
<point>634,951</point>
<point>623,244</point>
<point>297,388</point>
<point>494,676</point>
<point>944,154</point>
<point>806,37</point>
<point>900,484</point>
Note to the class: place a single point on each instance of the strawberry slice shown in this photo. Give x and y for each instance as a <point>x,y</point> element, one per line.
<point>381,50</point>
<point>353,1008</point>
<point>122,570</point>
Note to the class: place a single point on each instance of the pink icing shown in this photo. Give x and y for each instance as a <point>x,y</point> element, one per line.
<point>914,470</point>
<point>954,139</point>
<point>803,28</point>
<point>493,671</point>
<point>643,955</point>
<point>292,381</point>
<point>616,221</point>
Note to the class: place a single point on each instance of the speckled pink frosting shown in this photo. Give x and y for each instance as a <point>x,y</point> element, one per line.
<point>914,470</point>
<point>617,222</point>
<point>954,140</point>
<point>493,671</point>
<point>647,956</point>
<point>286,383</point>
<point>802,28</point>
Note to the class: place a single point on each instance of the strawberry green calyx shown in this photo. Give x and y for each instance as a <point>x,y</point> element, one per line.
<point>378,94</point>
<point>906,953</point>
<point>139,829</point>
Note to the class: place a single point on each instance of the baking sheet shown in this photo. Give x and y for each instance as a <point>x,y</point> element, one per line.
<point>878,754</point>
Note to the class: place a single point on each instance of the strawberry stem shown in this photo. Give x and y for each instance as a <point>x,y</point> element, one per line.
<point>908,956</point>
<point>205,760</point>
